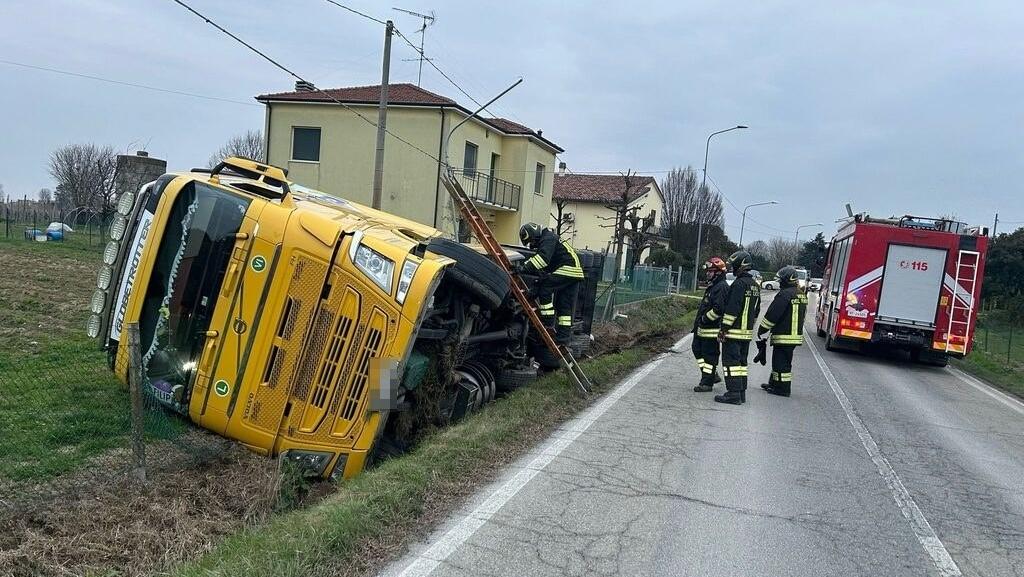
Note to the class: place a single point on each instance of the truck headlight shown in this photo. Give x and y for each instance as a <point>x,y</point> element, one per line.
<point>92,326</point>
<point>99,300</point>
<point>405,280</point>
<point>125,203</point>
<point>375,265</point>
<point>103,278</point>
<point>118,226</point>
<point>110,252</point>
<point>310,462</point>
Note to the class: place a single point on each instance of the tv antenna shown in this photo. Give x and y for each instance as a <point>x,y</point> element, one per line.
<point>428,20</point>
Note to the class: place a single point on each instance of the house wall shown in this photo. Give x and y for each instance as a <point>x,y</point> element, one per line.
<point>410,184</point>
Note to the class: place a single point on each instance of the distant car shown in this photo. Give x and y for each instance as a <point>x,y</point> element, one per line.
<point>814,285</point>
<point>770,285</point>
<point>729,277</point>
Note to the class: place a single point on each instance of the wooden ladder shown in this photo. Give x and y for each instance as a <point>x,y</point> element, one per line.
<point>519,289</point>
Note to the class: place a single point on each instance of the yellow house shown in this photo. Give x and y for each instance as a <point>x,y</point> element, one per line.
<point>506,167</point>
<point>585,203</point>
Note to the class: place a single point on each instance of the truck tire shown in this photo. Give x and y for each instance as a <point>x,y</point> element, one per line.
<point>512,379</point>
<point>472,271</point>
<point>821,332</point>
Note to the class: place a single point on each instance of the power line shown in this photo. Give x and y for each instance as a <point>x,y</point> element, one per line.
<point>301,79</point>
<point>740,212</point>
<point>124,83</point>
<point>357,12</point>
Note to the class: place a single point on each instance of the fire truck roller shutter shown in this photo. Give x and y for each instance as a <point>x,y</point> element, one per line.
<point>911,284</point>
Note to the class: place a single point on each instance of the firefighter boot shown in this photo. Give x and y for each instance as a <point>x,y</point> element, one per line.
<point>706,384</point>
<point>777,388</point>
<point>734,392</point>
<point>563,335</point>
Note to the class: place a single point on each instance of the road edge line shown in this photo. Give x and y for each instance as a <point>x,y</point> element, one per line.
<point>981,385</point>
<point>443,546</point>
<point>923,530</point>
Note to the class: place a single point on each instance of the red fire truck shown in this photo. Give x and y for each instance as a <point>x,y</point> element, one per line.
<point>911,283</point>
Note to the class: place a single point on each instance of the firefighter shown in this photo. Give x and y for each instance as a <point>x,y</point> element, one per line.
<point>785,320</point>
<point>560,275</point>
<point>739,315</point>
<point>707,323</point>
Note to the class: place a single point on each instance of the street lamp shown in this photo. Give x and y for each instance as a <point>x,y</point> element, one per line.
<point>743,221</point>
<point>703,185</point>
<point>797,237</point>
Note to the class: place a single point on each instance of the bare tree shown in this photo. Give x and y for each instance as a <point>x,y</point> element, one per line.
<point>639,231</point>
<point>687,202</point>
<point>783,252</point>
<point>45,195</point>
<point>248,145</point>
<point>564,221</point>
<point>85,175</point>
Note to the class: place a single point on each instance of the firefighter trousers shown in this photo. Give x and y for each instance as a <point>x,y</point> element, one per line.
<point>734,363</point>
<point>556,299</point>
<point>706,351</point>
<point>782,366</point>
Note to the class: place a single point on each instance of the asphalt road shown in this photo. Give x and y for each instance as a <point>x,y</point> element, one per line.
<point>874,467</point>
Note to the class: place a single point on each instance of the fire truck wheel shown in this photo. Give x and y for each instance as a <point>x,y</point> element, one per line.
<point>821,332</point>
<point>473,271</point>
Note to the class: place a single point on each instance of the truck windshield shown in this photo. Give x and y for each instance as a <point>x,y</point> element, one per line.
<point>186,277</point>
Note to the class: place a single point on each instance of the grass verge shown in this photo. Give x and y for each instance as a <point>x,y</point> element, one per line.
<point>370,519</point>
<point>993,369</point>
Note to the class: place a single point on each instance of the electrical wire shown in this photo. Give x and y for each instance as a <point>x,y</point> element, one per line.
<point>301,79</point>
<point>357,12</point>
<point>124,83</point>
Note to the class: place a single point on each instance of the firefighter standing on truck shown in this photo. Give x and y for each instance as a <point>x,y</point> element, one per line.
<point>739,315</point>
<point>560,274</point>
<point>706,348</point>
<point>785,320</point>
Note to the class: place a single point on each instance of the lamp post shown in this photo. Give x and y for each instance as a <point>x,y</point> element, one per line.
<point>743,221</point>
<point>797,237</point>
<point>703,185</point>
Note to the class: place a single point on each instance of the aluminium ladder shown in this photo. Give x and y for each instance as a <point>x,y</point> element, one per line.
<point>964,284</point>
<point>519,288</point>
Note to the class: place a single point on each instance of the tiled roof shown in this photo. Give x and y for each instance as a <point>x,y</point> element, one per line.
<point>598,187</point>
<point>399,94</point>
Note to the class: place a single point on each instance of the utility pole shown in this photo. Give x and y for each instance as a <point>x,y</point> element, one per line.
<point>427,21</point>
<point>995,225</point>
<point>382,118</point>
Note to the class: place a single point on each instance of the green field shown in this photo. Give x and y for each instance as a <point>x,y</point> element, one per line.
<point>998,356</point>
<point>59,404</point>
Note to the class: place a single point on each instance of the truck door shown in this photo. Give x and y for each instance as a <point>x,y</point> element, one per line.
<point>911,283</point>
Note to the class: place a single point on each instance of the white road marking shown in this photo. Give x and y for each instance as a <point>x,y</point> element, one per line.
<point>1000,396</point>
<point>439,550</point>
<point>918,523</point>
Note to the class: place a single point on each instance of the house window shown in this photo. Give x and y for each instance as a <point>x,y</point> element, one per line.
<point>469,163</point>
<point>538,179</point>
<point>306,144</point>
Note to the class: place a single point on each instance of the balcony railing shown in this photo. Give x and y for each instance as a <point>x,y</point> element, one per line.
<point>484,188</point>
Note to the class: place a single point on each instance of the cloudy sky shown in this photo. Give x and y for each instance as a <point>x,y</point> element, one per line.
<point>895,107</point>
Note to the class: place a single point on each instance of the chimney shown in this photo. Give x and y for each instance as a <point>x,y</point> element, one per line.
<point>304,86</point>
<point>141,153</point>
<point>540,133</point>
<point>561,169</point>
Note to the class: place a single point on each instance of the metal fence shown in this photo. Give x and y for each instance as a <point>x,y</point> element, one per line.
<point>1000,337</point>
<point>47,221</point>
<point>643,282</point>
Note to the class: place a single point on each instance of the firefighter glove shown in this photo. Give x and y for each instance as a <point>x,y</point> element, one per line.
<point>762,352</point>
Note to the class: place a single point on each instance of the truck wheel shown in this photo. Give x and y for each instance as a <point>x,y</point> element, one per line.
<point>512,379</point>
<point>829,343</point>
<point>473,271</point>
<point>821,332</point>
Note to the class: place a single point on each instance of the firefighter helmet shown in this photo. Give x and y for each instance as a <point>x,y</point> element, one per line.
<point>529,233</point>
<point>741,261</point>
<point>714,267</point>
<point>787,277</point>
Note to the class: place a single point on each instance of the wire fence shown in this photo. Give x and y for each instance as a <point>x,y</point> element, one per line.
<point>642,283</point>
<point>1000,337</point>
<point>50,222</point>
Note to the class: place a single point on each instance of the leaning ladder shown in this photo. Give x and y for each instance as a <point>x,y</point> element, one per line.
<point>966,279</point>
<point>519,289</point>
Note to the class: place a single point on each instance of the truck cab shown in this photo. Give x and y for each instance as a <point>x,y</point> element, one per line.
<point>299,323</point>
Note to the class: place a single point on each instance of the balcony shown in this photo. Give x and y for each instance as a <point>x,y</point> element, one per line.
<point>490,191</point>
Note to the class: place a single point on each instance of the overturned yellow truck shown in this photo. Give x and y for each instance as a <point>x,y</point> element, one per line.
<point>302,324</point>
